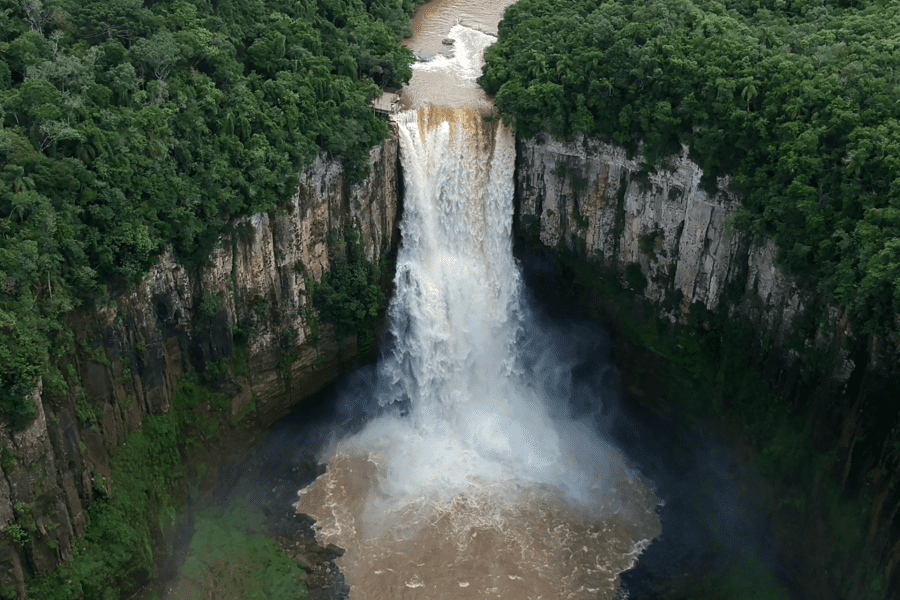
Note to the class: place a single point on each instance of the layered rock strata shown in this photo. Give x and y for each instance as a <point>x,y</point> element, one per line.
<point>251,296</point>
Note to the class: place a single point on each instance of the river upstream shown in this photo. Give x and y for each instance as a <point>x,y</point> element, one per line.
<point>476,477</point>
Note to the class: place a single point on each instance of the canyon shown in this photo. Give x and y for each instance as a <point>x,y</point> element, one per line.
<point>661,235</point>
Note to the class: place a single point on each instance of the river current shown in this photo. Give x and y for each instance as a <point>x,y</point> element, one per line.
<point>475,479</point>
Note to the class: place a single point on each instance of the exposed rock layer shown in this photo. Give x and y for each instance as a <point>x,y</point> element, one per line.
<point>670,241</point>
<point>133,351</point>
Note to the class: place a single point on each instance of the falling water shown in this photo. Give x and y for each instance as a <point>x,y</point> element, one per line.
<point>474,481</point>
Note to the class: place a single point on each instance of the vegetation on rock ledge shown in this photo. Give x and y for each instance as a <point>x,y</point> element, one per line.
<point>230,558</point>
<point>349,296</point>
<point>708,375</point>
<point>138,502</point>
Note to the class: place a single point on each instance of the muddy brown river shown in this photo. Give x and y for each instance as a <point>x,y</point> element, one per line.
<point>480,485</point>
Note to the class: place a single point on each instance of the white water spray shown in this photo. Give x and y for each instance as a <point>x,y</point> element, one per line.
<point>477,421</point>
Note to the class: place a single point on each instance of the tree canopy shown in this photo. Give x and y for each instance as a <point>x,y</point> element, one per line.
<point>128,127</point>
<point>797,100</point>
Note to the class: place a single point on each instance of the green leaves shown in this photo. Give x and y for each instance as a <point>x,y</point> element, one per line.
<point>231,558</point>
<point>349,296</point>
<point>158,52</point>
<point>798,105</point>
<point>127,128</point>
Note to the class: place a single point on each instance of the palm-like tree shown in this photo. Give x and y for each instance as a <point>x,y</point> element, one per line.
<point>749,93</point>
<point>15,176</point>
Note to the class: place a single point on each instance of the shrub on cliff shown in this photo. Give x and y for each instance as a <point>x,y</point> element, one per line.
<point>349,296</point>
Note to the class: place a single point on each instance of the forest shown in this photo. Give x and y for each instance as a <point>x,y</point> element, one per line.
<point>130,127</point>
<point>797,101</point>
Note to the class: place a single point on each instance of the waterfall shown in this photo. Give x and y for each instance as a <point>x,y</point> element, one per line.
<point>457,314</point>
<point>475,479</point>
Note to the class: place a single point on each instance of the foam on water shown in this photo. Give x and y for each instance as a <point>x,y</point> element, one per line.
<point>466,59</point>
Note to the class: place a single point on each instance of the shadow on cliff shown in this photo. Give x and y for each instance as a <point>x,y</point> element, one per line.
<point>714,533</point>
<point>715,537</point>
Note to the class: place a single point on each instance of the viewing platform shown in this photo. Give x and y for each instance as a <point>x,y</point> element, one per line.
<point>387,104</point>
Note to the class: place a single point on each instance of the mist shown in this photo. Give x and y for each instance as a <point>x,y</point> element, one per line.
<point>474,396</point>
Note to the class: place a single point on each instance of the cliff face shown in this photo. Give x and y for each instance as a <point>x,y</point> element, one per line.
<point>670,241</point>
<point>250,299</point>
<point>591,197</point>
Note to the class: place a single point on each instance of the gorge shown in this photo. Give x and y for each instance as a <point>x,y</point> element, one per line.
<point>243,328</point>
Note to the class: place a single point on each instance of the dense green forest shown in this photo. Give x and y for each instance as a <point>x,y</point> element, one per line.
<point>128,127</point>
<point>797,100</point>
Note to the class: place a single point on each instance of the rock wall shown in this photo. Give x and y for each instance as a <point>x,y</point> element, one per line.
<point>132,352</point>
<point>670,241</point>
<point>591,197</point>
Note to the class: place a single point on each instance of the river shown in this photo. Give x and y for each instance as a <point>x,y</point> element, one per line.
<point>477,476</point>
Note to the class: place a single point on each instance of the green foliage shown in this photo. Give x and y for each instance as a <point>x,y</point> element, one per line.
<point>128,128</point>
<point>260,306</point>
<point>249,409</point>
<point>125,403</point>
<point>25,516</point>
<point>710,374</point>
<point>580,218</point>
<point>239,360</point>
<point>16,534</point>
<point>219,403</point>
<point>86,413</point>
<point>146,470</point>
<point>796,101</point>
<point>208,427</point>
<point>16,405</point>
<point>288,337</point>
<point>230,558</point>
<point>284,364</point>
<point>8,459</point>
<point>749,579</point>
<point>580,246</point>
<point>125,377</point>
<point>210,305</point>
<point>216,368</point>
<point>312,321</point>
<point>349,296</point>
<point>647,242</point>
<point>99,356</point>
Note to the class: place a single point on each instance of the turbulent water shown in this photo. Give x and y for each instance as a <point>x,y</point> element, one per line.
<point>475,481</point>
<point>440,79</point>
